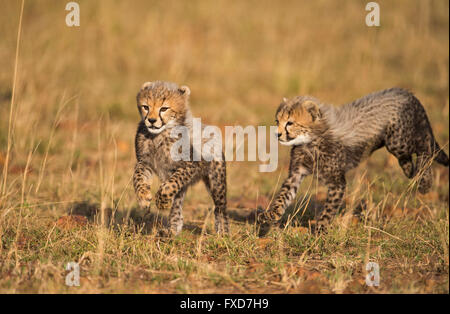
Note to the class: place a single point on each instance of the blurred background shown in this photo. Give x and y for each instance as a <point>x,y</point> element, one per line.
<point>74,116</point>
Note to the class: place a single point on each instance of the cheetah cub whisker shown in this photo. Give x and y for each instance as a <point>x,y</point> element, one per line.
<point>164,106</point>
<point>328,141</point>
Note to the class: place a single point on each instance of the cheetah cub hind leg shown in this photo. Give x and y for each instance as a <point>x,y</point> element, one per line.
<point>217,187</point>
<point>175,217</point>
<point>333,203</point>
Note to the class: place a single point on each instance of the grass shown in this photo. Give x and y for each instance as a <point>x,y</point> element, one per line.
<point>67,124</point>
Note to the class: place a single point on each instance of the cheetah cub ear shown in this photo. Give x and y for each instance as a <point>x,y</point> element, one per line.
<point>313,109</point>
<point>146,84</point>
<point>184,90</point>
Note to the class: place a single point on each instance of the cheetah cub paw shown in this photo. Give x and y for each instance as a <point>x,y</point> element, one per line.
<point>262,222</point>
<point>144,199</point>
<point>166,233</point>
<point>163,201</point>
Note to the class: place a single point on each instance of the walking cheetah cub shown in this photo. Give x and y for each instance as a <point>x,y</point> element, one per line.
<point>328,141</point>
<point>164,106</point>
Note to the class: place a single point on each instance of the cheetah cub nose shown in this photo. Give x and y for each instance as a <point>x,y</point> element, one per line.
<point>152,120</point>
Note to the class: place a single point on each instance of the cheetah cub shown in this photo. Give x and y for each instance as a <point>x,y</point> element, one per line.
<point>164,106</point>
<point>328,141</point>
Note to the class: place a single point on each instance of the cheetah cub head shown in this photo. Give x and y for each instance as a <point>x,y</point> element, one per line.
<point>162,105</point>
<point>299,120</point>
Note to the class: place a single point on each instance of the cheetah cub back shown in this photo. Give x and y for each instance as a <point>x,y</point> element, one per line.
<point>328,141</point>
<point>164,106</point>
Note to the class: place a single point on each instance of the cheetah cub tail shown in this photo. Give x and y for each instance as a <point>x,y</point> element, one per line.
<point>442,158</point>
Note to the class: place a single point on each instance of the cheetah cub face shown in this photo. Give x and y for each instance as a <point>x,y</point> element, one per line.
<point>299,120</point>
<point>162,105</point>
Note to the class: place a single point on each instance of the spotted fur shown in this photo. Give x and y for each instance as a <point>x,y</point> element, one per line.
<point>328,141</point>
<point>163,106</point>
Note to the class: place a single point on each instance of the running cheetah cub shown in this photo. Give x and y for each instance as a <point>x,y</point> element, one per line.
<point>328,141</point>
<point>164,106</point>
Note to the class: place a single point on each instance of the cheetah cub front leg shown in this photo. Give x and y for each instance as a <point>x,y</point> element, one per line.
<point>286,195</point>
<point>142,181</point>
<point>170,196</point>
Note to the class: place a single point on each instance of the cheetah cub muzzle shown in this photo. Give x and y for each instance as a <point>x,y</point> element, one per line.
<point>163,106</point>
<point>328,141</point>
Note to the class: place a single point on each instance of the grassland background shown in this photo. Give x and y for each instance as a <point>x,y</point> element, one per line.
<point>74,119</point>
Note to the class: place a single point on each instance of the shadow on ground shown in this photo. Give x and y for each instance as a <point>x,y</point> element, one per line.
<point>300,214</point>
<point>140,220</point>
